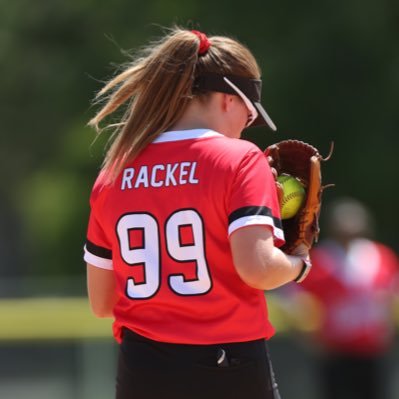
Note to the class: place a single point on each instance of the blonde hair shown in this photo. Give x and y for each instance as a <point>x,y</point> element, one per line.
<point>156,88</point>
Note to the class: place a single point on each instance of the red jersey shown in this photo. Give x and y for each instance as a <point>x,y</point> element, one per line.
<point>356,288</point>
<point>164,227</point>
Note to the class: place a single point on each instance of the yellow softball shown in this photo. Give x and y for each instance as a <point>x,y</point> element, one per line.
<point>293,196</point>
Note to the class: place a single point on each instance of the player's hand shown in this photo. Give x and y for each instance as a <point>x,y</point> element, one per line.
<point>301,254</point>
<point>301,250</point>
<point>279,186</point>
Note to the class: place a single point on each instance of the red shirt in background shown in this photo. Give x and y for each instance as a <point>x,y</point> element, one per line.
<point>356,288</point>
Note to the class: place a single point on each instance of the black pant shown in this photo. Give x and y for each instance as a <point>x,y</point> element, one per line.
<point>153,370</point>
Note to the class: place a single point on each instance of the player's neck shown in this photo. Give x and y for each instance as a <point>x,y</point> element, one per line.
<point>199,115</point>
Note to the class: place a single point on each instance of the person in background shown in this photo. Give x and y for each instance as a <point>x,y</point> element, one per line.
<point>355,281</point>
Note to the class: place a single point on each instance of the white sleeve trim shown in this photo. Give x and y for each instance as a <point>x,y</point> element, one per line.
<point>256,220</point>
<point>95,260</point>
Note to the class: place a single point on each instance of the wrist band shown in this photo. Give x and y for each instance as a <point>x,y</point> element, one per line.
<point>307,265</point>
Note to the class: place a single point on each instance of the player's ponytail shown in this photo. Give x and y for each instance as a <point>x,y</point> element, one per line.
<point>157,87</point>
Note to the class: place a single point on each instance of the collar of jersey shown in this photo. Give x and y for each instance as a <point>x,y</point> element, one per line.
<point>177,135</point>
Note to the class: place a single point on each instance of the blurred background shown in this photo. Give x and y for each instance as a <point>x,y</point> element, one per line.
<point>330,73</point>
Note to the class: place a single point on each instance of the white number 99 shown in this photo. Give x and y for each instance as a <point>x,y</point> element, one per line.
<point>148,254</point>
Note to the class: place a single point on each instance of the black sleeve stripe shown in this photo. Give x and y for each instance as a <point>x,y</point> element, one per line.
<point>254,211</point>
<point>98,251</point>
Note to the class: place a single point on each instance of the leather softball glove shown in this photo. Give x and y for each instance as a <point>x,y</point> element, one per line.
<point>302,161</point>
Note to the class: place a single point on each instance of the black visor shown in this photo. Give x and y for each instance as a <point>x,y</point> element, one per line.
<point>246,88</point>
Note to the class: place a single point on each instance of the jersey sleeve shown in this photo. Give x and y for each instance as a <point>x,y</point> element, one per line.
<point>253,198</point>
<point>97,250</point>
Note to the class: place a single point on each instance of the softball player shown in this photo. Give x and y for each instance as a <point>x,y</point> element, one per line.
<point>184,227</point>
<point>356,283</point>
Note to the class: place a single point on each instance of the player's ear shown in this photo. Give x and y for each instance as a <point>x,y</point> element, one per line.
<point>227,101</point>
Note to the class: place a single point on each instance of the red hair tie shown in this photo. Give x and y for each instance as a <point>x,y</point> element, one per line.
<point>204,42</point>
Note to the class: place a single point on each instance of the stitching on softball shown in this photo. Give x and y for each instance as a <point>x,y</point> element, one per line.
<point>290,196</point>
